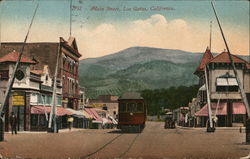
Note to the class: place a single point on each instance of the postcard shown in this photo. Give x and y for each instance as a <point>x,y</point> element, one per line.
<point>135,79</point>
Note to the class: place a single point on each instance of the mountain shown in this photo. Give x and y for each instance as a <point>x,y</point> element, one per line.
<point>136,69</point>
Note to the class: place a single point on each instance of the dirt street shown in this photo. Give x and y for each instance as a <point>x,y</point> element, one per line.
<point>154,142</point>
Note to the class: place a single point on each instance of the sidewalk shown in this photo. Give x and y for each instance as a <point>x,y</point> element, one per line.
<point>217,128</point>
<point>45,132</point>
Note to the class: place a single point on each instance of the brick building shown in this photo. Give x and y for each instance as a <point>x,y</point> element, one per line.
<point>45,54</point>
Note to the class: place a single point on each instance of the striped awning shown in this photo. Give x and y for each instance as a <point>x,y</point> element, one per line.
<point>60,111</point>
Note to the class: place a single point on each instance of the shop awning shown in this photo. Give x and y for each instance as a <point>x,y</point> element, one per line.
<point>60,111</point>
<point>94,114</point>
<point>222,109</point>
<point>76,113</point>
<point>239,108</point>
<point>87,115</point>
<point>226,82</point>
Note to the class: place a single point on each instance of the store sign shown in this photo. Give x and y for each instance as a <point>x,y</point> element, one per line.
<point>18,99</point>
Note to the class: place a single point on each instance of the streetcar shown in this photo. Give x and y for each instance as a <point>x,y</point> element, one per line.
<point>131,112</point>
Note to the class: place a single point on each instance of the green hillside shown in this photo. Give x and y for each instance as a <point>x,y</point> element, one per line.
<point>138,68</point>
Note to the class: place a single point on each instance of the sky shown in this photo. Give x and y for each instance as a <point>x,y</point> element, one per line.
<point>103,27</point>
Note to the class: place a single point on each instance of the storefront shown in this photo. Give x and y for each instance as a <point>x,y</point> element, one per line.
<point>19,109</point>
<point>40,117</point>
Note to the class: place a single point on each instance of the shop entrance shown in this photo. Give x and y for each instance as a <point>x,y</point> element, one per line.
<point>19,112</point>
<point>18,107</point>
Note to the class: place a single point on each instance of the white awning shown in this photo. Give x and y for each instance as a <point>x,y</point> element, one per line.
<point>202,88</point>
<point>232,82</point>
<point>221,82</point>
<point>226,82</point>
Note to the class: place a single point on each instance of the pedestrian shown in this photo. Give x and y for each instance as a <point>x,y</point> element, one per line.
<point>13,123</point>
<point>70,122</point>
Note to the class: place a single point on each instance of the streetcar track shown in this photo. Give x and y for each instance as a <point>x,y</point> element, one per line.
<point>130,146</point>
<point>88,155</point>
<point>110,142</point>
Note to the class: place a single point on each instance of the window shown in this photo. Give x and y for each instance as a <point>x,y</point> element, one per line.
<point>19,75</point>
<point>59,100</point>
<point>226,84</point>
<point>48,99</point>
<point>122,107</point>
<point>40,100</point>
<point>4,74</point>
<point>132,107</point>
<point>42,120</point>
<point>140,107</point>
<point>34,119</point>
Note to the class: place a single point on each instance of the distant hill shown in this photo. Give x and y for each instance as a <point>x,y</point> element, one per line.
<point>138,68</point>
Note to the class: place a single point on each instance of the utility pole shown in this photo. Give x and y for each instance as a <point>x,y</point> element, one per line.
<point>242,92</point>
<point>11,80</point>
<point>210,40</point>
<point>210,127</point>
<point>54,96</point>
<point>70,22</point>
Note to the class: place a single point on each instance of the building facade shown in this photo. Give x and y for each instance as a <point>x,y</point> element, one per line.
<point>226,102</point>
<point>106,102</point>
<point>45,54</point>
<point>28,90</point>
<point>32,88</point>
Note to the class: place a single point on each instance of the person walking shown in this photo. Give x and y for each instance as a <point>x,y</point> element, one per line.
<point>70,122</point>
<point>13,123</point>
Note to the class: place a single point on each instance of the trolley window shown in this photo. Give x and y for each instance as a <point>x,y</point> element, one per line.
<point>139,107</point>
<point>132,107</point>
<point>122,107</point>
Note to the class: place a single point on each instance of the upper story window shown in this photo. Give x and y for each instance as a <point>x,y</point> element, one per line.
<point>4,74</point>
<point>19,75</point>
<point>226,83</point>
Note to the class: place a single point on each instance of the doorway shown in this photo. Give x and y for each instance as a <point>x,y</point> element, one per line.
<point>19,111</point>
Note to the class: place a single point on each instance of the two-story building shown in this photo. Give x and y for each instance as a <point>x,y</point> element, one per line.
<point>31,88</point>
<point>226,101</point>
<point>45,53</point>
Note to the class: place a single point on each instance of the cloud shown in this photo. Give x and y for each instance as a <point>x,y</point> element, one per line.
<point>155,31</point>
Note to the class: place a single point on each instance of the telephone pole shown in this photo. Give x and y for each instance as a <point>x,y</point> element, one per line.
<point>11,80</point>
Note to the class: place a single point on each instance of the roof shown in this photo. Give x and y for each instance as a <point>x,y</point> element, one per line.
<point>37,72</point>
<point>71,45</point>
<point>207,56</point>
<point>224,58</point>
<point>131,95</point>
<point>13,57</point>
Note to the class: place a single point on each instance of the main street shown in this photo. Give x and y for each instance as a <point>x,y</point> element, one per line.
<point>153,142</point>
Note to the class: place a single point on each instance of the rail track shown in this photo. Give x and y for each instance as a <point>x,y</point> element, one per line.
<point>109,143</point>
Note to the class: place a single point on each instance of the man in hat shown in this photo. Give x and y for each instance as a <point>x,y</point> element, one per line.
<point>13,122</point>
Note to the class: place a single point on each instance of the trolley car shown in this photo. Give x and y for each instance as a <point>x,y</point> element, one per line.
<point>132,112</point>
